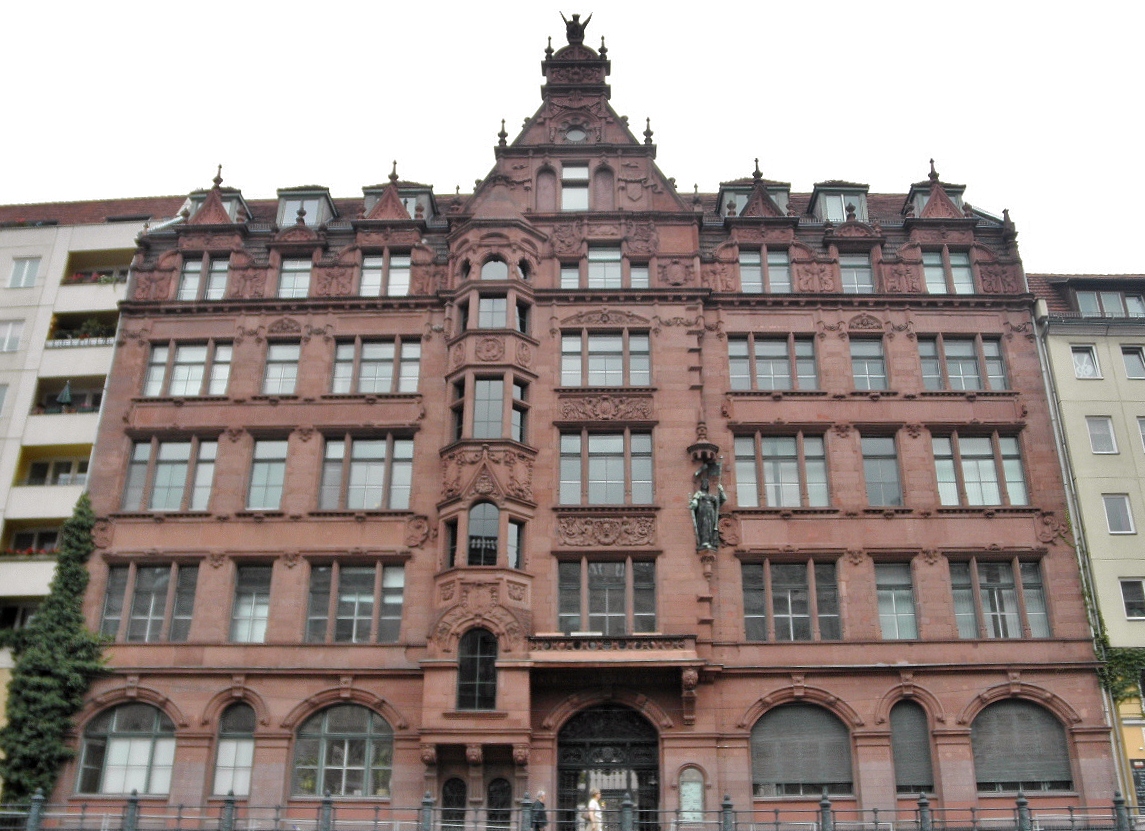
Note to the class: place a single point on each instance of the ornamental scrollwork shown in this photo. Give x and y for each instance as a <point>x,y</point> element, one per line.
<point>606,408</point>
<point>618,530</point>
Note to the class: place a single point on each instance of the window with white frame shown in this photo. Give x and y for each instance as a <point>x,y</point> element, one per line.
<point>355,603</point>
<point>765,271</point>
<point>170,475</point>
<point>281,373</point>
<point>10,332</point>
<point>366,474</point>
<point>607,596</point>
<point>856,274</point>
<point>251,609</point>
<point>191,283</point>
<point>1141,430</point>
<point>605,267</point>
<point>781,471</point>
<point>791,601</point>
<point>1101,436</point>
<point>1133,596</point>
<point>377,366</point>
<point>1118,516</point>
<point>385,275</point>
<point>234,754</point>
<point>188,369</point>
<point>999,599</point>
<point>147,604</point>
<point>1110,303</point>
<point>129,748</point>
<point>1085,364</point>
<point>948,272</point>
<point>979,470</point>
<point>868,364</point>
<point>759,362</point>
<point>294,279</point>
<point>594,359</point>
<point>267,475</point>
<point>895,590</point>
<point>24,271</point>
<point>1134,358</point>
<point>606,468</point>
<point>574,186</point>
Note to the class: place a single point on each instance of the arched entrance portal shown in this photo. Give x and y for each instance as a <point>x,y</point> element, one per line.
<point>617,750</point>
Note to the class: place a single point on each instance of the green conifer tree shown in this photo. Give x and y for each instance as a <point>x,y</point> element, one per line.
<point>56,659</point>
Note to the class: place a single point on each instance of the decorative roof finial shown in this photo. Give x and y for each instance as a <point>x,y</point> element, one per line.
<point>696,195</point>
<point>756,174</point>
<point>218,180</point>
<point>603,48</point>
<point>549,49</point>
<point>501,136</point>
<point>301,214</point>
<point>574,29</point>
<point>648,131</point>
<point>394,172</point>
<point>933,172</point>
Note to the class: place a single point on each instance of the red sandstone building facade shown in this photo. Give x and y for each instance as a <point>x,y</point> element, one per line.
<point>394,497</point>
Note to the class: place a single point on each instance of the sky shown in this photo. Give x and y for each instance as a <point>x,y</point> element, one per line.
<point>1035,108</point>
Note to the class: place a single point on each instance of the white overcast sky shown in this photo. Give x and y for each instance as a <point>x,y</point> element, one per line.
<point>1034,107</point>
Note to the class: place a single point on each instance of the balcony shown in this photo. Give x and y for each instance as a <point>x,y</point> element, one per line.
<point>37,502</point>
<point>46,428</point>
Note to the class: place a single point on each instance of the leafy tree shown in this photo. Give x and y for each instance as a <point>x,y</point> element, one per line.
<point>57,658</point>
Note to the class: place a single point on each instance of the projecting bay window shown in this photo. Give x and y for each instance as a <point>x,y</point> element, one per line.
<point>192,286</point>
<point>487,532</point>
<point>999,599</point>
<point>606,468</point>
<point>764,271</point>
<point>498,408</point>
<point>791,601</point>
<point>366,474</point>
<point>355,603</point>
<point>590,359</point>
<point>607,597</point>
<point>979,470</point>
<point>377,367</point>
<point>170,476</point>
<point>948,272</point>
<point>385,275</point>
<point>962,363</point>
<point>188,369</point>
<point>146,604</point>
<point>781,471</point>
<point>495,312</point>
<point>758,362</point>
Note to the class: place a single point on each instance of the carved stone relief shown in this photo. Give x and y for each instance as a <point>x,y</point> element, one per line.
<point>508,471</point>
<point>606,408</point>
<point>617,530</point>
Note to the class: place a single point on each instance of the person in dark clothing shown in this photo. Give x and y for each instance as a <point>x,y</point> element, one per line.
<point>540,817</point>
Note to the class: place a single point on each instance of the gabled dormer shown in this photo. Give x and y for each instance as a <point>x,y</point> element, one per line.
<point>229,200</point>
<point>830,201</point>
<point>312,200</point>
<point>416,199</point>
<point>770,197</point>
<point>928,200</point>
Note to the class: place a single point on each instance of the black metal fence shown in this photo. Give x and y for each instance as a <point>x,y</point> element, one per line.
<point>135,814</point>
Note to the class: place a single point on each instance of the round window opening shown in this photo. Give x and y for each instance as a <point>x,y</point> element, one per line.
<point>576,134</point>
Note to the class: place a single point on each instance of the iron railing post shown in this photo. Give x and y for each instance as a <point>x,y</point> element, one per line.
<point>35,811</point>
<point>526,813</point>
<point>924,821</point>
<point>826,821</point>
<point>131,812</point>
<point>326,813</point>
<point>227,818</point>
<point>626,806</point>
<point>727,819</point>
<point>1023,812</point>
<point>425,819</point>
<point>1120,812</point>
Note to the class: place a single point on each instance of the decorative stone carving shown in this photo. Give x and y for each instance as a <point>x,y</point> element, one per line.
<point>901,278</point>
<point>718,277</point>
<point>729,530</point>
<point>457,355</point>
<point>524,354</point>
<point>999,279</point>
<point>490,348</point>
<point>615,530</point>
<point>284,326</point>
<point>605,316</point>
<point>429,754</point>
<point>473,754</point>
<point>1049,528</point>
<point>152,285</point>
<point>606,408</point>
<point>234,433</point>
<point>305,432</point>
<point>521,755</point>
<point>931,556</point>
<point>855,556</point>
<point>514,472</point>
<point>643,238</point>
<point>417,531</point>
<point>814,277</point>
<point>842,429</point>
<point>102,533</point>
<point>247,283</point>
<point>333,281</point>
<point>566,239</point>
<point>516,592</point>
<point>676,272</point>
<point>291,558</point>
<point>865,323</point>
<point>216,559</point>
<point>479,601</point>
<point>913,430</point>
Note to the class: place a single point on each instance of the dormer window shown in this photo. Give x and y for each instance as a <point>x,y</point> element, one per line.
<point>1111,303</point>
<point>574,187</point>
<point>833,206</point>
<point>231,199</point>
<point>732,202</point>
<point>316,204</point>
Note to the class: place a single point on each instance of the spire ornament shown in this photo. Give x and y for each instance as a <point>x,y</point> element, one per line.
<point>574,29</point>
<point>501,136</point>
<point>218,180</point>
<point>394,172</point>
<point>648,131</point>
<point>757,174</point>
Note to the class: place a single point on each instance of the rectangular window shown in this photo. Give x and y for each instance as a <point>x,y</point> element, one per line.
<point>999,599</point>
<point>750,272</point>
<point>267,474</point>
<point>24,271</point>
<point>1111,304</point>
<point>769,363</point>
<point>1133,595</point>
<point>158,601</point>
<point>3,397</point>
<point>606,468</point>
<point>574,187</point>
<point>251,609</point>
<point>487,406</point>
<point>948,272</point>
<point>281,368</point>
<point>767,272</point>
<point>57,472</point>
<point>191,285</point>
<point>594,597</point>
<point>1101,438</point>
<point>1085,364</point>
<point>781,471</point>
<point>881,471</point>
<point>376,367</point>
<point>170,476</point>
<point>856,274</point>
<point>604,268</point>
<point>1118,516</point>
<point>355,604</point>
<point>979,470</point>
<point>950,363</point>
<point>366,474</point>
<point>10,332</point>
<point>294,279</point>
<point>1134,358</point>
<point>188,369</point>
<point>605,360</point>
<point>385,275</point>
<point>1141,430</point>
<point>868,364</point>
<point>895,591</point>
<point>791,601</point>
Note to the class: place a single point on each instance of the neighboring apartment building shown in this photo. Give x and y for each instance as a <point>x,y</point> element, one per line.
<point>395,496</point>
<point>1093,329</point>
<point>63,269</point>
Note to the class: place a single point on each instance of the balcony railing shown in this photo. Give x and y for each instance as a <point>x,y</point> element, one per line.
<point>106,276</point>
<point>67,340</point>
